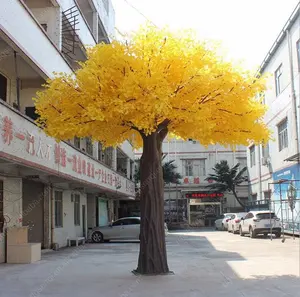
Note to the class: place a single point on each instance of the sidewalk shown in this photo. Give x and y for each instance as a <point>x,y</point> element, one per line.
<point>202,261</point>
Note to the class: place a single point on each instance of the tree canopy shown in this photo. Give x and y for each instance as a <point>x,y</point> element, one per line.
<point>128,89</point>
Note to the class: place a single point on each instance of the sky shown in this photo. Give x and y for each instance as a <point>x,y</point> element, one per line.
<point>246,28</point>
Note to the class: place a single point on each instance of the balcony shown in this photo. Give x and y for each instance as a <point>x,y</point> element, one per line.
<point>23,143</point>
<point>22,29</point>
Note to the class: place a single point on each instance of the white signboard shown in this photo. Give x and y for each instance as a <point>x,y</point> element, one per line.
<point>23,142</point>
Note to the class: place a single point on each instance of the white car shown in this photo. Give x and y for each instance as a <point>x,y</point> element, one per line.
<point>260,222</point>
<point>234,223</point>
<point>127,228</point>
<point>222,222</point>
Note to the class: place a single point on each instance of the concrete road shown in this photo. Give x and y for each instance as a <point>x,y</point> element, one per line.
<point>205,263</point>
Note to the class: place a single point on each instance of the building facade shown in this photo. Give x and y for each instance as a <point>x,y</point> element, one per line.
<point>274,168</point>
<point>58,190</point>
<point>191,202</point>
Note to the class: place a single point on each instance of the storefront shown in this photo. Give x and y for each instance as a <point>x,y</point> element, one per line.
<point>203,208</point>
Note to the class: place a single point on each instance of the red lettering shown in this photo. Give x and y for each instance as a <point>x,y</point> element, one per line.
<point>30,144</point>
<point>92,171</point>
<point>88,169</point>
<point>63,157</point>
<point>79,165</point>
<point>7,130</point>
<point>57,153</point>
<point>74,165</point>
<point>196,180</point>
<point>83,167</point>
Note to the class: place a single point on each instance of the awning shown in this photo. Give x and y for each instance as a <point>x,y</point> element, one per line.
<point>294,158</point>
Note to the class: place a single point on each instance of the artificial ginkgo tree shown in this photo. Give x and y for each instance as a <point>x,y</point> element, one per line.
<point>155,83</point>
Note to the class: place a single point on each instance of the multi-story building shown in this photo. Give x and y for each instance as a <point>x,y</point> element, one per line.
<point>191,201</point>
<point>60,189</point>
<point>274,168</point>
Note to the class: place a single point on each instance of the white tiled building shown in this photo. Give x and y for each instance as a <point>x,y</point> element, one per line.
<point>61,189</point>
<point>195,163</point>
<point>279,160</point>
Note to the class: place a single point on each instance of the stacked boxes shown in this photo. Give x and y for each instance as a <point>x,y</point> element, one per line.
<point>19,250</point>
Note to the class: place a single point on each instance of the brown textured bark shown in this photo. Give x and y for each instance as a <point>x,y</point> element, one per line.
<point>153,254</point>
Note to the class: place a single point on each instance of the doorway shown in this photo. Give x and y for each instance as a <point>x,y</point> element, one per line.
<point>33,210</point>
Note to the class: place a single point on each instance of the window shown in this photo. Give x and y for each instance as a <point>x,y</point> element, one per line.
<point>100,151</point>
<point>278,80</point>
<point>1,207</point>
<point>3,87</point>
<point>195,167</point>
<point>89,146</point>
<point>76,199</point>
<point>252,156</point>
<point>267,195</point>
<point>298,54</point>
<point>119,222</point>
<point>77,142</point>
<point>30,112</point>
<point>282,135</point>
<point>58,208</point>
<point>45,27</point>
<point>265,150</point>
<point>108,156</point>
<point>266,216</point>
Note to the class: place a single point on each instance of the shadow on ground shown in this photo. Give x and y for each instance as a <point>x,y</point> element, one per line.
<point>203,264</point>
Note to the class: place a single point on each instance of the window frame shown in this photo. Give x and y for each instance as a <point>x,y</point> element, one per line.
<point>282,133</point>
<point>278,82</point>
<point>58,212</point>
<point>6,92</point>
<point>191,167</point>
<point>76,202</point>
<point>252,156</point>
<point>89,146</point>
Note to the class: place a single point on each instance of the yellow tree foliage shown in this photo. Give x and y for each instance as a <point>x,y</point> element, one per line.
<point>156,77</point>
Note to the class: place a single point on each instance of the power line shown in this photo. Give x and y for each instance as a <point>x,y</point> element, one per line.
<point>139,12</point>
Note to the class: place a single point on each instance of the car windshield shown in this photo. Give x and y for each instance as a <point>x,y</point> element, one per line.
<point>242,214</point>
<point>266,216</point>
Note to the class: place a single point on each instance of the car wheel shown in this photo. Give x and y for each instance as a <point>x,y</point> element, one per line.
<point>216,228</point>
<point>241,232</point>
<point>97,237</point>
<point>251,232</point>
<point>265,235</point>
<point>278,234</point>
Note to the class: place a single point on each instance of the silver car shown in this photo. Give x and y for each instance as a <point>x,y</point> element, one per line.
<point>123,229</point>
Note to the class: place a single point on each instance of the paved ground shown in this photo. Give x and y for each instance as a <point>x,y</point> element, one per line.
<point>207,263</point>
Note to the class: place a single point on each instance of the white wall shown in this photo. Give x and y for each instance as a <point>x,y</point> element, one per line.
<point>279,108</point>
<point>69,229</point>
<point>12,206</point>
<point>16,22</point>
<point>52,17</point>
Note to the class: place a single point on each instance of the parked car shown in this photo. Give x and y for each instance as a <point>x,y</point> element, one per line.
<point>234,222</point>
<point>260,222</point>
<point>122,229</point>
<point>222,222</point>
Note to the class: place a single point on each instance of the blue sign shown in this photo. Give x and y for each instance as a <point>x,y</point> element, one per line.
<point>288,188</point>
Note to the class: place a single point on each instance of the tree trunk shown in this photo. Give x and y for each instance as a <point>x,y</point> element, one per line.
<point>237,199</point>
<point>153,254</point>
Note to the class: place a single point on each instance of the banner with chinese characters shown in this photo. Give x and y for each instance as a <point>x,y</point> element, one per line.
<point>24,143</point>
